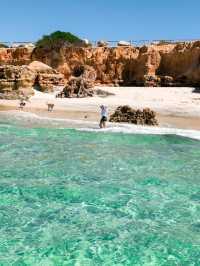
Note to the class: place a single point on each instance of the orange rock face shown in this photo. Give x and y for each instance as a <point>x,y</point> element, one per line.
<point>153,65</point>
<point>15,56</point>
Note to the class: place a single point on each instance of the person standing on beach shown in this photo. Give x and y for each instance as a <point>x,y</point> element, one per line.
<point>104,116</point>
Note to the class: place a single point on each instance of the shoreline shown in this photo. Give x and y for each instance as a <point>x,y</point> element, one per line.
<point>169,121</point>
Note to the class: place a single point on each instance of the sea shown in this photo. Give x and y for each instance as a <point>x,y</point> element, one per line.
<point>83,196</point>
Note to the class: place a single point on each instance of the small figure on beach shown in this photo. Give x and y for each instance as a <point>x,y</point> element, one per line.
<point>104,116</point>
<point>22,104</point>
<point>50,106</point>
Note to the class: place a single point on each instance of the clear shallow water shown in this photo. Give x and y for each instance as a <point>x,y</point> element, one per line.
<point>85,198</point>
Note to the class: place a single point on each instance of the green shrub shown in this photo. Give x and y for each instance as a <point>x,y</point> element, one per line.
<point>57,38</point>
<point>2,45</point>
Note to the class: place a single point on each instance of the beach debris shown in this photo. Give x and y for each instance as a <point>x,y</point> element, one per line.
<point>126,114</point>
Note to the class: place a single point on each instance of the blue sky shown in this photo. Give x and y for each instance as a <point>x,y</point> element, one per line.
<point>23,20</point>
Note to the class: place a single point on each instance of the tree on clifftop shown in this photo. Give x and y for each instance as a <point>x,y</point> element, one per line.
<point>58,38</point>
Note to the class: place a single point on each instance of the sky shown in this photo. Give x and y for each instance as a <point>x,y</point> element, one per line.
<point>28,20</point>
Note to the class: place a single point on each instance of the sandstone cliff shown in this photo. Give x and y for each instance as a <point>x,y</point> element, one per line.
<point>153,65</point>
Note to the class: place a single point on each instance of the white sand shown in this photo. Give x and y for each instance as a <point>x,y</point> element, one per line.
<point>170,100</point>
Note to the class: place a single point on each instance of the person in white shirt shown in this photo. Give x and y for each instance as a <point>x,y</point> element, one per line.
<point>104,116</point>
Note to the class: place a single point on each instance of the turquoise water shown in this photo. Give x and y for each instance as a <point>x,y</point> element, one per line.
<point>82,198</point>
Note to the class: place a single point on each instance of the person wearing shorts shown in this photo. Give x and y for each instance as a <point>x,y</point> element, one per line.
<point>104,116</point>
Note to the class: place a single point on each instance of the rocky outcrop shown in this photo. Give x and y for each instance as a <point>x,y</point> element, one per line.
<point>46,77</point>
<point>78,87</point>
<point>20,80</point>
<point>139,117</point>
<point>82,84</point>
<point>182,64</point>
<point>16,81</point>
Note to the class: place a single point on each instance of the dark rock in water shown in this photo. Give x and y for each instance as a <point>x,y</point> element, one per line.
<point>127,114</point>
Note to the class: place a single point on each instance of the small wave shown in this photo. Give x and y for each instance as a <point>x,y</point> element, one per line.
<point>90,126</point>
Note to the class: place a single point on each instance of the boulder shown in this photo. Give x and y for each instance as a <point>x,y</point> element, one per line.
<point>128,115</point>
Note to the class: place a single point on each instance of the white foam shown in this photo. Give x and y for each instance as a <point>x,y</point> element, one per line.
<point>90,126</point>
<point>135,129</point>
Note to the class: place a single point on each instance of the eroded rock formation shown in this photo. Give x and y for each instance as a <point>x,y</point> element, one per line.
<point>81,84</point>
<point>139,117</point>
<point>16,81</point>
<point>20,80</point>
<point>78,87</point>
<point>46,77</point>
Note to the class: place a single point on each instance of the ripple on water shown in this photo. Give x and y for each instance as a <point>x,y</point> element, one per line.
<point>86,198</point>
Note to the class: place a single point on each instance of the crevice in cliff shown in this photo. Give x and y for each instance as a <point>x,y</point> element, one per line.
<point>36,85</point>
<point>78,71</point>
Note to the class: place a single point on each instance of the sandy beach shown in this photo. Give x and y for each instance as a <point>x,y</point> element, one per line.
<point>175,107</point>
